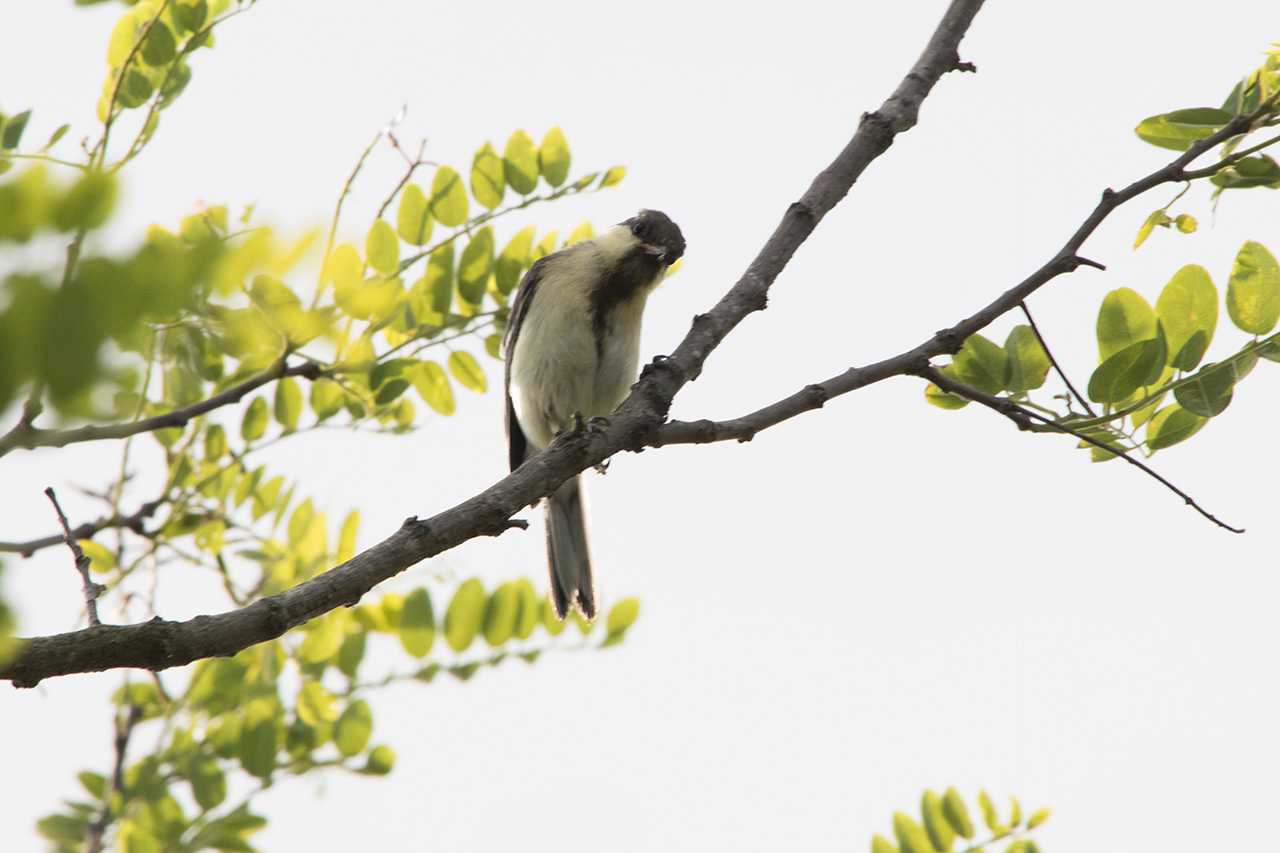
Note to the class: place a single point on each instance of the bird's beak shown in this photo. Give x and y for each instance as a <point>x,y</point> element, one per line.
<point>656,251</point>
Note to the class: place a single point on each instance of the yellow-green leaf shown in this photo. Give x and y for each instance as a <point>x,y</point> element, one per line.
<point>911,836</point>
<point>1028,362</point>
<point>957,813</point>
<point>316,706</point>
<point>417,623</point>
<point>980,364</point>
<point>1157,218</point>
<point>488,177</point>
<point>100,557</point>
<point>1124,318</point>
<point>1038,817</point>
<point>1188,312</point>
<point>288,403</point>
<point>432,384</point>
<point>413,221</point>
<point>622,616</point>
<point>326,398</point>
<point>354,728</point>
<point>553,157</point>
<point>1179,129</point>
<point>467,370</point>
<point>940,833</point>
<point>613,177</point>
<point>475,266</point>
<point>1253,291</point>
<point>347,538</point>
<point>520,163</point>
<point>514,259</point>
<point>254,423</point>
<point>463,619</point>
<point>382,248</point>
<point>448,198</point>
<point>500,614</point>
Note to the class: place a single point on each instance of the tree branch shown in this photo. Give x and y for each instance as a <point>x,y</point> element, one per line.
<point>133,522</point>
<point>91,589</point>
<point>159,644</point>
<point>638,423</point>
<point>1025,418</point>
<point>1062,374</point>
<point>28,437</point>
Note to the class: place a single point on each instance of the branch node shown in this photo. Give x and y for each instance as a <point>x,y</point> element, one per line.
<point>90,589</point>
<point>818,395</point>
<point>1086,262</point>
<point>1108,194</point>
<point>961,65</point>
<point>949,341</point>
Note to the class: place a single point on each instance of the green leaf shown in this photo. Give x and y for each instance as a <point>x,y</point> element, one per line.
<point>355,726</point>
<point>316,706</point>
<point>989,815</point>
<point>980,364</point>
<point>1253,291</point>
<point>288,403</point>
<point>957,813</point>
<point>1124,319</point>
<point>520,163</point>
<point>259,736</point>
<point>382,248</point>
<point>622,616</point>
<point>553,157</point>
<point>347,538</point>
<point>467,370</point>
<point>1131,368</point>
<point>88,203</point>
<point>940,833</point>
<point>448,198</point>
<point>1179,129</point>
<point>158,48</point>
<point>463,619</point>
<point>942,399</point>
<point>1208,392</point>
<point>500,614</point>
<point>879,844</point>
<point>475,265</point>
<point>1257,171</point>
<point>254,423</point>
<point>208,782</point>
<point>513,261</point>
<point>911,836</point>
<point>190,15</point>
<point>530,609</point>
<point>1171,425</point>
<point>1188,312</point>
<point>488,177</point>
<point>1028,362</point>
<point>1185,223</point>
<point>432,384</point>
<point>326,398</point>
<point>413,221</point>
<point>382,759</point>
<point>322,641</point>
<point>613,177</point>
<point>1038,817</point>
<point>493,346</point>
<point>13,128</point>
<point>101,559</point>
<point>417,624</point>
<point>351,653</point>
<point>1158,218</point>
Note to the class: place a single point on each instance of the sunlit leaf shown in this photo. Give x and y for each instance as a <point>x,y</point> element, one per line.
<point>520,163</point>
<point>354,728</point>
<point>467,370</point>
<point>1188,312</point>
<point>417,623</point>
<point>254,423</point>
<point>1124,318</point>
<point>488,177</point>
<point>1179,129</point>
<point>980,364</point>
<point>475,266</point>
<point>1171,425</point>
<point>413,221</point>
<point>1028,363</point>
<point>448,198</point>
<point>553,157</point>
<point>432,384</point>
<point>288,403</point>
<point>463,619</point>
<point>1253,291</point>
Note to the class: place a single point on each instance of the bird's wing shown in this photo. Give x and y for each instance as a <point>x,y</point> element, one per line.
<point>517,444</point>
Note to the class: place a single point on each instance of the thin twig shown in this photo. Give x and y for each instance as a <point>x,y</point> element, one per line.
<point>133,522</point>
<point>124,730</point>
<point>1062,374</point>
<point>91,590</point>
<point>26,437</point>
<point>1023,417</point>
<point>413,167</point>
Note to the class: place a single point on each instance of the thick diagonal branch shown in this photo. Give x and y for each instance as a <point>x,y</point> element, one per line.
<point>159,644</point>
<point>26,436</point>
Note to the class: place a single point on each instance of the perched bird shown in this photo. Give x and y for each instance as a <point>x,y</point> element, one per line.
<point>572,351</point>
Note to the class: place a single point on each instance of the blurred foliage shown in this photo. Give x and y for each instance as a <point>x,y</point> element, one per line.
<point>1151,385</point>
<point>946,825</point>
<point>200,306</point>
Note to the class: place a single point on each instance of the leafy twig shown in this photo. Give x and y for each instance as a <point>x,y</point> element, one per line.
<point>91,589</point>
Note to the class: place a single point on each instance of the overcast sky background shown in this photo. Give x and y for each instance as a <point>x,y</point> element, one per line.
<point>860,603</point>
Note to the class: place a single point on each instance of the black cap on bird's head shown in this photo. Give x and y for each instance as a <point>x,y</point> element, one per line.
<point>658,235</point>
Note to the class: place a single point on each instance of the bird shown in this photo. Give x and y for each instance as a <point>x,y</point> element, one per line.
<point>572,351</point>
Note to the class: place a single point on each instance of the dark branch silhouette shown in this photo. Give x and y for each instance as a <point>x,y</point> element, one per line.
<point>640,422</point>
<point>91,590</point>
<point>27,436</point>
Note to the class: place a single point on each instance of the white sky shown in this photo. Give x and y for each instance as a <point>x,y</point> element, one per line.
<point>860,603</point>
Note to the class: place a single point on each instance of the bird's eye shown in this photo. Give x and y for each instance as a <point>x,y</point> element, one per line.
<point>638,229</point>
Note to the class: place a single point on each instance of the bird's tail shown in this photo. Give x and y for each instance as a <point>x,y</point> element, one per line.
<point>567,551</point>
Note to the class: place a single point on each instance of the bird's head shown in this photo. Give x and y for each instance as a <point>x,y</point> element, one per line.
<point>657,235</point>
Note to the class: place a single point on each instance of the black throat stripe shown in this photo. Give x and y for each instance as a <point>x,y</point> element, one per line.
<point>636,270</point>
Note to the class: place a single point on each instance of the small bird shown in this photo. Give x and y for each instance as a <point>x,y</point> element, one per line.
<point>572,350</point>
